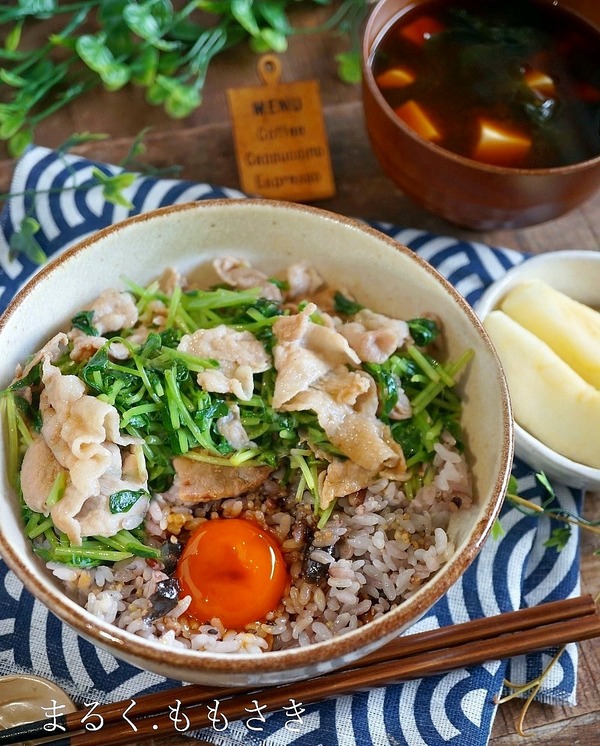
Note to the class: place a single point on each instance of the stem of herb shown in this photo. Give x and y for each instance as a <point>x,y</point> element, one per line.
<point>516,499</point>
<point>102,555</point>
<point>12,437</point>
<point>40,528</point>
<point>58,489</point>
<point>433,389</point>
<point>176,404</point>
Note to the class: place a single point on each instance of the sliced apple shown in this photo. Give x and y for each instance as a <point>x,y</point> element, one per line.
<point>413,114</point>
<point>570,328</point>
<point>550,401</point>
<point>500,145</point>
<point>395,77</point>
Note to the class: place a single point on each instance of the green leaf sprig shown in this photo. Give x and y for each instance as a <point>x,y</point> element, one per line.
<point>558,539</point>
<point>549,507</point>
<point>24,241</point>
<point>163,47</point>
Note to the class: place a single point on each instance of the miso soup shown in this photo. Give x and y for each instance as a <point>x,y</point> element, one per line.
<point>512,82</point>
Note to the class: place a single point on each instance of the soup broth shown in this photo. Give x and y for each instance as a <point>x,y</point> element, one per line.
<point>513,83</point>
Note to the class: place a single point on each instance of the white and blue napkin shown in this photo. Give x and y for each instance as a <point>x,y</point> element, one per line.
<point>511,572</point>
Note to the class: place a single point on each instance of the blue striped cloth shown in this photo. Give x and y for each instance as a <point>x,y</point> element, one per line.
<point>456,709</point>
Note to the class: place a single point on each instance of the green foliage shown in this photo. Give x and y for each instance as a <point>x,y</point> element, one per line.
<point>497,531</point>
<point>423,331</point>
<point>24,241</point>
<point>113,186</point>
<point>344,305</point>
<point>155,391</point>
<point>559,538</point>
<point>147,43</point>
<point>83,321</point>
<point>349,68</point>
<point>434,406</point>
<point>97,55</point>
<point>124,500</point>
<point>550,507</point>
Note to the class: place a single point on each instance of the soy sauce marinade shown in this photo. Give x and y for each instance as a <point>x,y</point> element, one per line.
<point>513,83</point>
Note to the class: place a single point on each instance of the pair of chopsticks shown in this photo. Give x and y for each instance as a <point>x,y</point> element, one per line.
<point>412,656</point>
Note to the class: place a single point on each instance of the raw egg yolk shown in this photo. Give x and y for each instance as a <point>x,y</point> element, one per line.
<point>234,570</point>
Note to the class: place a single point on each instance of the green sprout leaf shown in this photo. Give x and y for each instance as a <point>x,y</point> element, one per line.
<point>543,480</point>
<point>243,13</point>
<point>349,68</point>
<point>345,305</point>
<point>269,40</point>
<point>19,142</point>
<point>274,14</point>
<point>144,66</point>
<point>179,99</point>
<point>38,8</point>
<point>559,538</point>
<point>140,20</point>
<point>143,22</point>
<point>13,38</point>
<point>113,186</point>
<point>12,79</point>
<point>423,331</point>
<point>83,321</point>
<point>124,500</point>
<point>497,530</point>
<point>24,242</point>
<point>96,54</point>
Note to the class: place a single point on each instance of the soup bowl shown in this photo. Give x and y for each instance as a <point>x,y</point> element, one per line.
<point>460,189</point>
<point>386,276</point>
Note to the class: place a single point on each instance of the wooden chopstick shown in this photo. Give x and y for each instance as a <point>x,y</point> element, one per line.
<point>412,656</point>
<point>238,706</point>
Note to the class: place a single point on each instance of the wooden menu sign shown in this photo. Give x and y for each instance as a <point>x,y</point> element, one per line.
<point>280,138</point>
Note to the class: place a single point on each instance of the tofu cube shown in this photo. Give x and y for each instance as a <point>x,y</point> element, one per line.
<point>421,29</point>
<point>413,114</point>
<point>540,83</point>
<point>395,77</point>
<point>499,145</point>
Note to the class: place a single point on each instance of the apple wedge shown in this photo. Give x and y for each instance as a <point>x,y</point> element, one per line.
<point>549,399</point>
<point>570,328</point>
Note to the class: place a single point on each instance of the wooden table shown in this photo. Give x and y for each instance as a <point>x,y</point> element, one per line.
<point>203,146</point>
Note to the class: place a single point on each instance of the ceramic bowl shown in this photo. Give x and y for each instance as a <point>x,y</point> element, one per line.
<point>577,274</point>
<point>384,275</point>
<point>23,697</point>
<point>461,190</point>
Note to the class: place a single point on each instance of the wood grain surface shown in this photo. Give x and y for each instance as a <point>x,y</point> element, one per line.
<point>203,146</point>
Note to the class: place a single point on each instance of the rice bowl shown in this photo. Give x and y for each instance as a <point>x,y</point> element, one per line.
<point>381,555</point>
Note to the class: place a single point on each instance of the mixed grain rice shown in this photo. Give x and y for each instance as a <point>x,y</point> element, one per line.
<point>386,547</point>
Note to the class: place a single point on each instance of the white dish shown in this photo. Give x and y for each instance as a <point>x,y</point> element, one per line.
<point>577,274</point>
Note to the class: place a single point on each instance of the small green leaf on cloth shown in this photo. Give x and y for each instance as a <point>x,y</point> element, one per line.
<point>559,538</point>
<point>497,530</point>
<point>24,242</point>
<point>113,186</point>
